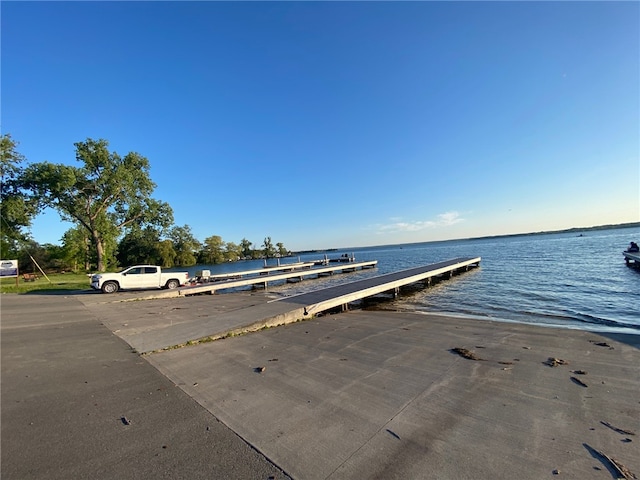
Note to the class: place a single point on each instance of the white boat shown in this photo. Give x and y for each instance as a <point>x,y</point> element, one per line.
<point>632,258</point>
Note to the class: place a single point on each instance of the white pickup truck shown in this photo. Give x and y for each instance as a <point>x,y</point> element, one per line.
<point>139,276</point>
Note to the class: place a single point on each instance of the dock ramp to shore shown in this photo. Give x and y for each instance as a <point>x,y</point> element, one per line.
<point>272,313</point>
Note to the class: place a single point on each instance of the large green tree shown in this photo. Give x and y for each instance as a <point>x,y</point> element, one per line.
<point>16,208</point>
<point>105,195</point>
<point>212,251</point>
<point>282,251</point>
<point>167,253</point>
<point>185,245</point>
<point>246,248</point>
<point>77,247</point>
<point>268,249</point>
<point>232,252</point>
<point>139,246</point>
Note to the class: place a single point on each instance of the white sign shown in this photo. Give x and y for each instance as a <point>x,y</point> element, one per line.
<point>8,268</point>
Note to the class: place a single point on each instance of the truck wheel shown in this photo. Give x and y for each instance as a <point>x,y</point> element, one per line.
<point>109,287</point>
<point>171,284</point>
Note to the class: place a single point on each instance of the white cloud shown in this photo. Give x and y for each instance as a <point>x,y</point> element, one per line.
<point>449,218</point>
<point>442,220</point>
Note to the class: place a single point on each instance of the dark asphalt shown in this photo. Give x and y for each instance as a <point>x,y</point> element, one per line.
<point>69,386</point>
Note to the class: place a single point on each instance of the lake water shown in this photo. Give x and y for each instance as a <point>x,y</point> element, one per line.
<point>559,279</point>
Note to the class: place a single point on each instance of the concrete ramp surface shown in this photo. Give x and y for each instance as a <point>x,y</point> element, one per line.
<point>382,395</point>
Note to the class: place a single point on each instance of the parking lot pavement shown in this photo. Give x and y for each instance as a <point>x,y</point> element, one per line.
<point>77,402</point>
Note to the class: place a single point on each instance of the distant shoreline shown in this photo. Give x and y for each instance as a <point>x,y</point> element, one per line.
<point>506,235</point>
<point>566,230</point>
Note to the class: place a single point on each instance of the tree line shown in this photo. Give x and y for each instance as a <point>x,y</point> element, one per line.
<point>116,220</point>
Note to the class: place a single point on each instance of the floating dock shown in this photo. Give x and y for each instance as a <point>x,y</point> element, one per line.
<point>342,295</point>
<point>266,270</point>
<point>263,276</point>
<point>291,309</point>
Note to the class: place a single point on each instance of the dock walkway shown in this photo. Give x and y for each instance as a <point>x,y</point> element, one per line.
<point>342,295</point>
<point>285,267</point>
<point>155,336</point>
<point>257,277</point>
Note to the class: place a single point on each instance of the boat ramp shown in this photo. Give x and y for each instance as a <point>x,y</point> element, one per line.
<point>287,310</point>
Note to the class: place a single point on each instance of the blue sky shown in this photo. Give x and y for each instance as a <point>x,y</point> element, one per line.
<point>338,124</point>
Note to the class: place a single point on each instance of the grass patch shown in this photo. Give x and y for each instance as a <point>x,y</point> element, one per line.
<point>59,281</point>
